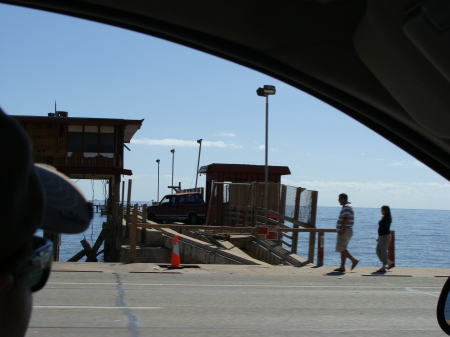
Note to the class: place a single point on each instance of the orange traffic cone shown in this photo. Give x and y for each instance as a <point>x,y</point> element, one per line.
<point>175,263</point>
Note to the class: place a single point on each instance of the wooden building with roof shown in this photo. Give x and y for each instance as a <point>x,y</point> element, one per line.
<point>82,148</point>
<point>218,174</point>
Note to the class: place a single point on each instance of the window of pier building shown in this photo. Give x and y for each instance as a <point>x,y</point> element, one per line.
<point>92,140</point>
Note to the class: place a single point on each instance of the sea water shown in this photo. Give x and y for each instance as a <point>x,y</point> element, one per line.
<point>422,237</point>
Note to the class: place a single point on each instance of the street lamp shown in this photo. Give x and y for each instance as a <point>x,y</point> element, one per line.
<point>157,160</point>
<point>173,158</point>
<point>198,163</point>
<point>265,91</point>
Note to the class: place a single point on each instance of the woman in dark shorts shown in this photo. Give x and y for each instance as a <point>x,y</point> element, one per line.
<point>384,238</point>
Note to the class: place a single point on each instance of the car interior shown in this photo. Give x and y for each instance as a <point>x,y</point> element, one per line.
<point>383,63</point>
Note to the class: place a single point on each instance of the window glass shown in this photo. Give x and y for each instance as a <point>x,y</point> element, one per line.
<point>106,129</point>
<point>75,128</point>
<point>91,128</point>
<point>106,142</point>
<point>165,201</point>
<point>91,142</point>
<point>74,141</point>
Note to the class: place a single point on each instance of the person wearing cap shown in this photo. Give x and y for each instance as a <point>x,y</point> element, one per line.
<point>344,228</point>
<point>33,196</point>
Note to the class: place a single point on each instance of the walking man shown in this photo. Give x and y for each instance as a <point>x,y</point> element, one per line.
<point>344,227</point>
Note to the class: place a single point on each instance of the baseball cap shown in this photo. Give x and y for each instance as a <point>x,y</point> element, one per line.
<point>33,195</point>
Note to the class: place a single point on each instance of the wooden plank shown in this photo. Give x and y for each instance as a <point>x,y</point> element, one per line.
<point>86,245</point>
<point>310,230</point>
<point>77,256</point>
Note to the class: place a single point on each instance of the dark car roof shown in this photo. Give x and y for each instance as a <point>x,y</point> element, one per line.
<point>380,62</point>
<point>187,193</point>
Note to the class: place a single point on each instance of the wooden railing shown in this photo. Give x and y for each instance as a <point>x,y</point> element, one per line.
<point>282,229</point>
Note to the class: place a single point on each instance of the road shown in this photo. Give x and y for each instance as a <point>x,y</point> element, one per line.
<point>235,302</point>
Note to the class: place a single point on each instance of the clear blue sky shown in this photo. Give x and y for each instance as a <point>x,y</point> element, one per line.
<point>94,70</point>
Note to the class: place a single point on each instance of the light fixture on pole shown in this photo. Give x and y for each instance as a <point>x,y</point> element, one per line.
<point>157,160</point>
<point>198,162</point>
<point>173,158</point>
<point>265,91</point>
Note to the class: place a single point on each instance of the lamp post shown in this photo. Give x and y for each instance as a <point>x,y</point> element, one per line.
<point>173,158</point>
<point>265,91</point>
<point>157,160</point>
<point>198,162</point>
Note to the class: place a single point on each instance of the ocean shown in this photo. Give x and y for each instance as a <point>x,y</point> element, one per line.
<point>422,237</point>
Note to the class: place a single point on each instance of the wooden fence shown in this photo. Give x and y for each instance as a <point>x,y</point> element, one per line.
<point>281,228</point>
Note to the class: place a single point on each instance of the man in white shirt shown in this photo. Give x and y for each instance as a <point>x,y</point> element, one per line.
<point>344,228</point>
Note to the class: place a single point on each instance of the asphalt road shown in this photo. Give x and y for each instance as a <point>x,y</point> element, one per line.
<point>205,303</point>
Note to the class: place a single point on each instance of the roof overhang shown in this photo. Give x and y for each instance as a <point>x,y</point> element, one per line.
<point>130,125</point>
<point>244,168</point>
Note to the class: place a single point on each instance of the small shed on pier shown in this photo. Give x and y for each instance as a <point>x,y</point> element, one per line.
<point>237,173</point>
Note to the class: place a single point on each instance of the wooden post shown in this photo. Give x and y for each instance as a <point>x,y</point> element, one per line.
<point>296,212</point>
<point>282,204</point>
<point>121,204</point>
<point>133,230</point>
<point>144,213</point>
<point>128,201</point>
<point>314,195</point>
<point>312,242</point>
<point>320,246</point>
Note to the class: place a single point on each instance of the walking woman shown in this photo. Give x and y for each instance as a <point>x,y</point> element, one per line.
<point>384,238</point>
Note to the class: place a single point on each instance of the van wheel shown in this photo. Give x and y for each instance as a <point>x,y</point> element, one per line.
<point>193,219</point>
<point>152,217</point>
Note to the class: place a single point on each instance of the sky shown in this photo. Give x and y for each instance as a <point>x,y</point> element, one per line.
<point>95,70</point>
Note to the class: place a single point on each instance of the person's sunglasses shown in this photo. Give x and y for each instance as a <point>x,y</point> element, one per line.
<point>38,263</point>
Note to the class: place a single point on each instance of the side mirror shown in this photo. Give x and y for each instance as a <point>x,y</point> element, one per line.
<point>443,308</point>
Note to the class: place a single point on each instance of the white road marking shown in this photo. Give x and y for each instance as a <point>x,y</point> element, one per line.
<point>86,307</point>
<point>238,285</point>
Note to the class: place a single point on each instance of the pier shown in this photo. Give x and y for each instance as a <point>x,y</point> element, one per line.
<point>249,235</point>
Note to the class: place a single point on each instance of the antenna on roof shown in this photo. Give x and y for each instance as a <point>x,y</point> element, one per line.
<point>55,107</point>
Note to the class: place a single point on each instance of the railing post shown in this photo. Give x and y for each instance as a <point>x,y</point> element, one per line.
<point>133,230</point>
<point>296,213</point>
<point>127,218</point>
<point>320,246</point>
<point>144,213</point>
<point>312,242</point>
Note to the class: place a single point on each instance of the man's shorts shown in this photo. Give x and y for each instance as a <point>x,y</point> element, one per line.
<point>343,240</point>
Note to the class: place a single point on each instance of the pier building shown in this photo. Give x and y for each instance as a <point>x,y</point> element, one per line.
<point>82,148</point>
